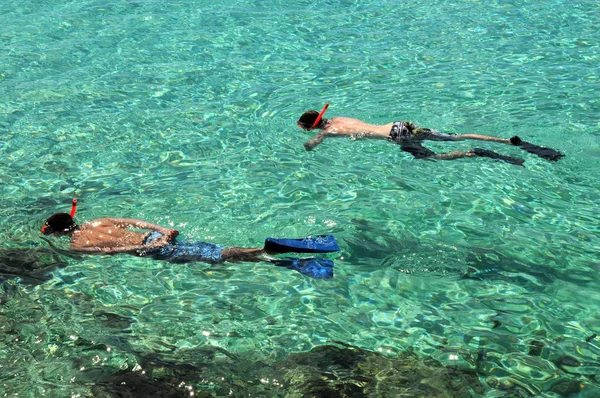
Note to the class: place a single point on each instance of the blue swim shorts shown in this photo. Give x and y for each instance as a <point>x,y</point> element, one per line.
<point>182,252</point>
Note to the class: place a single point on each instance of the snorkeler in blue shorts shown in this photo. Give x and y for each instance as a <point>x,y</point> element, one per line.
<point>410,138</point>
<point>122,235</point>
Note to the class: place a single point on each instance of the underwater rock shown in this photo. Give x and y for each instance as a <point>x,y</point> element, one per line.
<point>535,348</point>
<point>325,371</point>
<point>114,321</point>
<point>331,371</point>
<point>514,388</point>
<point>567,360</point>
<point>133,385</point>
<point>568,364</point>
<point>566,387</point>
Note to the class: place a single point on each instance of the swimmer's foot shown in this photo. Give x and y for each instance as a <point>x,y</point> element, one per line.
<point>493,155</point>
<point>515,140</point>
<point>543,152</point>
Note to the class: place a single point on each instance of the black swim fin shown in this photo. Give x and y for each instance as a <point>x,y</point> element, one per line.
<point>493,155</point>
<point>543,152</point>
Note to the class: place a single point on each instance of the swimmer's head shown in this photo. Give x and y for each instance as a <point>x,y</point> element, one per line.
<point>307,120</point>
<point>313,119</point>
<point>59,223</point>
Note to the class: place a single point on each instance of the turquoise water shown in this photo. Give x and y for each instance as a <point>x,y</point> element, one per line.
<point>183,113</point>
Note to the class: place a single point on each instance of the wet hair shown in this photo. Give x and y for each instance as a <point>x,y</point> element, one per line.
<point>59,222</point>
<point>308,119</point>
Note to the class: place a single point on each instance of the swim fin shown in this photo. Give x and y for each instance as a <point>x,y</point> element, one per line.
<point>543,152</point>
<point>318,268</point>
<point>493,155</point>
<point>318,244</point>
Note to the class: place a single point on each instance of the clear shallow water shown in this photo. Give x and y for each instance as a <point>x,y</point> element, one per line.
<point>183,113</point>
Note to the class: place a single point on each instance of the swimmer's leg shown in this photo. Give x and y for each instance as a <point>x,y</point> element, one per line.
<point>420,152</point>
<point>317,244</point>
<point>543,152</point>
<point>493,155</point>
<point>479,137</point>
<point>434,135</point>
<point>454,155</point>
<point>317,268</point>
<point>417,150</point>
<point>242,254</point>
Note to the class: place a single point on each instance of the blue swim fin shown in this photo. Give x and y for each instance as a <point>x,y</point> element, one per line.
<point>318,268</point>
<point>318,244</point>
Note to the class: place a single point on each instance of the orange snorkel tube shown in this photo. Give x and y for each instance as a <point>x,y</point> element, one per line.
<point>73,207</point>
<point>316,123</point>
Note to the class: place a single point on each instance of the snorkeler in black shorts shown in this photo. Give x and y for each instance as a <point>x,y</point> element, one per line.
<point>410,138</point>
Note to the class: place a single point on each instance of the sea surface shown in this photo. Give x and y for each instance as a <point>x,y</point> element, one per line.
<point>182,113</point>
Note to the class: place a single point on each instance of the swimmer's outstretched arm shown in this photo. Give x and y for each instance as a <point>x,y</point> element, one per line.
<point>310,145</point>
<point>139,224</point>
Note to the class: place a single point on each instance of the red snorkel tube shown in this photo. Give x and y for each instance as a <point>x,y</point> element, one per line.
<point>316,123</point>
<point>73,208</point>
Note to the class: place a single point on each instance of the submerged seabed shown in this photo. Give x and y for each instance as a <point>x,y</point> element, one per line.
<point>460,278</point>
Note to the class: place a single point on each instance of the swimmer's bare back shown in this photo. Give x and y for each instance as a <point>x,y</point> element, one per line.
<point>349,127</point>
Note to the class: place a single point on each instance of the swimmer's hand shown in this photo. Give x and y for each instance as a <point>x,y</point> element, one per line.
<point>310,145</point>
<point>171,234</point>
<point>165,239</point>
